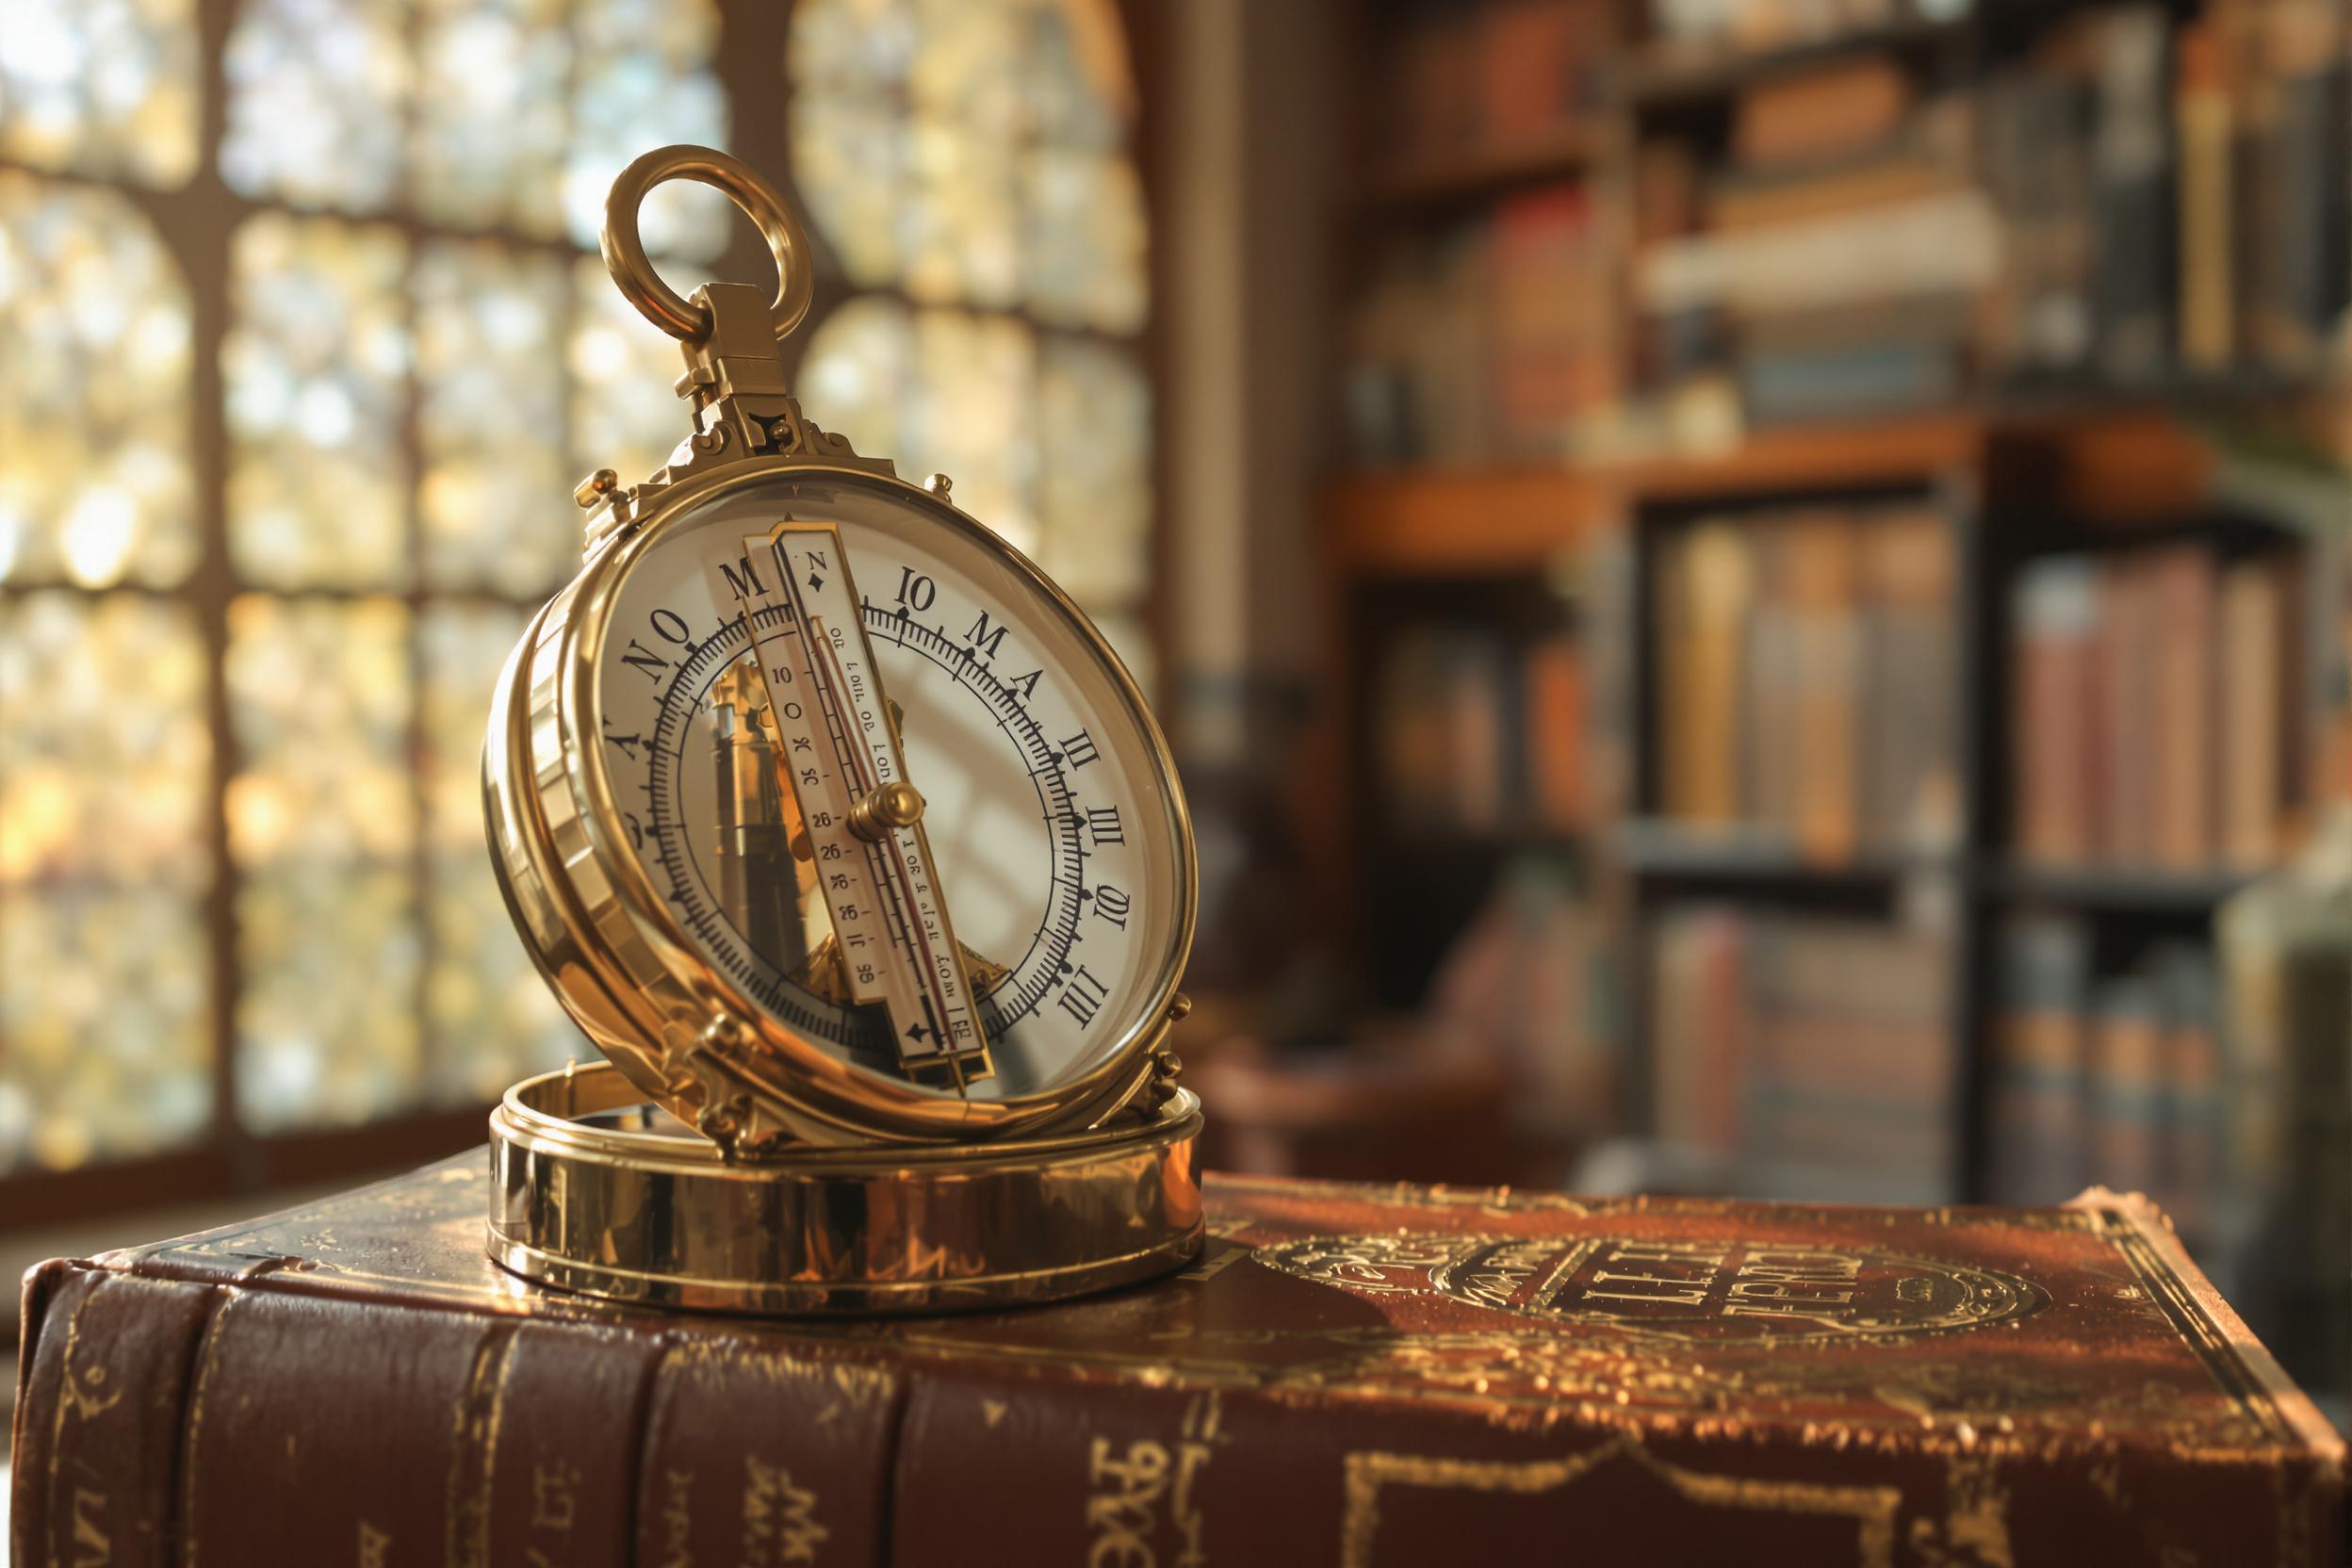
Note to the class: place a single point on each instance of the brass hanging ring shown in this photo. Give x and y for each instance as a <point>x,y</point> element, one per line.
<point>625,253</point>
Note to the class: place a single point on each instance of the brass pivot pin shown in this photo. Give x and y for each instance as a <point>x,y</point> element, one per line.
<point>884,810</point>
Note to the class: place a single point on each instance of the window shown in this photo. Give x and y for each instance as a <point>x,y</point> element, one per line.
<point>286,452</point>
<point>967,164</point>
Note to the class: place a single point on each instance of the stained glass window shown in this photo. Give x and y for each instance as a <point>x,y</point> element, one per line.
<point>490,374</point>
<point>243,882</point>
<point>322,830</point>
<point>101,87</point>
<point>316,369</point>
<point>104,990</point>
<point>490,1018</point>
<point>93,407</point>
<point>967,162</point>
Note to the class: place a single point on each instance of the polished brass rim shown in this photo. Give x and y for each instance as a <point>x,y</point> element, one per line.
<point>632,270</point>
<point>680,1029</point>
<point>589,1195</point>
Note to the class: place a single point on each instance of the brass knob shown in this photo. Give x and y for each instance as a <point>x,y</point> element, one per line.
<point>588,492</point>
<point>884,810</point>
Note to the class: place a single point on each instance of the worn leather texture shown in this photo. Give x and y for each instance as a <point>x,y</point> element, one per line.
<point>1351,1374</point>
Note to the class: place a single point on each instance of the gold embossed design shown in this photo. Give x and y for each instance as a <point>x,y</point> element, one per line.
<point>1871,1508</point>
<point>1708,1289</point>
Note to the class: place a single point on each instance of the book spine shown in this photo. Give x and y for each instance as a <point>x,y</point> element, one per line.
<point>757,1456</point>
<point>96,1448</point>
<point>2207,321</point>
<point>1827,649</point>
<point>175,1422</point>
<point>324,1430</point>
<point>556,1481</point>
<point>2183,656</point>
<point>2132,166</point>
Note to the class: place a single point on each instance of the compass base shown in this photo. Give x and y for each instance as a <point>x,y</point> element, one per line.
<point>593,1191</point>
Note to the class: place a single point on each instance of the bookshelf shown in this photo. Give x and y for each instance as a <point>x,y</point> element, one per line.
<point>1411,188</point>
<point>1458,524</point>
<point>1593,454</point>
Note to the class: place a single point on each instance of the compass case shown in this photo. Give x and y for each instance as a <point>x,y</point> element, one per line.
<point>591,1193</point>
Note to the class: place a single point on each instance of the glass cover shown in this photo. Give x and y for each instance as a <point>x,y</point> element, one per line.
<point>1049,817</point>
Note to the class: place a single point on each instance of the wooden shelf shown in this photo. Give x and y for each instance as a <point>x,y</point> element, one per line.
<point>2096,889</point>
<point>1666,73</point>
<point>1814,457</point>
<point>1390,839</point>
<point>1656,847</point>
<point>1457,523</point>
<point>2131,466</point>
<point>1480,171</point>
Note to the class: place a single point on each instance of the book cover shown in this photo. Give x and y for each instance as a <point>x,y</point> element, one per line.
<point>1351,1374</point>
<point>1844,109</point>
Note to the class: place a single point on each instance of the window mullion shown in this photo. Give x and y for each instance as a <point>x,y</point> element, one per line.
<point>200,234</point>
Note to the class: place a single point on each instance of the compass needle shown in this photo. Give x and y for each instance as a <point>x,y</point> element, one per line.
<point>841,759</point>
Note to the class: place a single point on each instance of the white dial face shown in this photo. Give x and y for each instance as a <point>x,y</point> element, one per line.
<point>1023,926</point>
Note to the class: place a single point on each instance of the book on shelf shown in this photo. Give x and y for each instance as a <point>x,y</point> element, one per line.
<point>1496,80</point>
<point>2289,77</point>
<point>2175,193</point>
<point>1845,109</point>
<point>2204,135</point>
<point>2036,170</point>
<point>2131,195</point>
<point>1813,1055</point>
<point>1808,677</point>
<point>1525,986</point>
<point>1488,339</point>
<point>2132,154</point>
<point>2159,713</point>
<point>1352,1373</point>
<point>1832,254</point>
<point>2115,1078</point>
<point>1476,733</point>
<point>1717,26</point>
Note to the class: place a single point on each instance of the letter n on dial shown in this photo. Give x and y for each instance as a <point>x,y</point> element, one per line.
<point>840,754</point>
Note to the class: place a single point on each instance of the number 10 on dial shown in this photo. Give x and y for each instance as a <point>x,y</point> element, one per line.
<point>841,757</point>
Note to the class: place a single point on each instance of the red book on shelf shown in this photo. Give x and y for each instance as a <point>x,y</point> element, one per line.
<point>1351,1374</point>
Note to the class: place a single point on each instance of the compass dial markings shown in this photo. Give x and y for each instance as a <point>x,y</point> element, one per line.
<point>977,672</point>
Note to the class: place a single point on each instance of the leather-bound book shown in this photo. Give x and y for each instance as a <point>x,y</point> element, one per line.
<point>1350,1374</point>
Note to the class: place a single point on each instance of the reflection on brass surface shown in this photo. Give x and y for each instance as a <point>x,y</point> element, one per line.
<point>762,886</point>
<point>595,1191</point>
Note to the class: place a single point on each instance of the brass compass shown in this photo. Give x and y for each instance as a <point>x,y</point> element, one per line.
<point>844,836</point>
